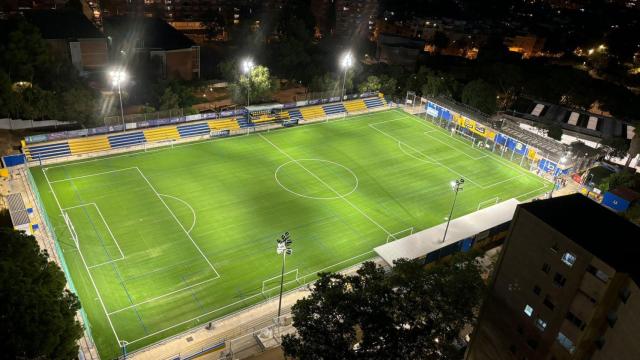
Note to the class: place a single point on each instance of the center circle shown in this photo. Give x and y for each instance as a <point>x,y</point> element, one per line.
<point>316,179</point>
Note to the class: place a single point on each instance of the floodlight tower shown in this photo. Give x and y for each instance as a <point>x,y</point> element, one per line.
<point>283,248</point>
<point>346,63</point>
<point>118,78</point>
<point>247,66</point>
<point>456,186</point>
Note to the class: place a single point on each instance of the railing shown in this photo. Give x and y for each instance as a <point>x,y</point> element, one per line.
<point>59,254</point>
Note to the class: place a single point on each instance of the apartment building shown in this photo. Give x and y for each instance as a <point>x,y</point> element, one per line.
<point>565,286</point>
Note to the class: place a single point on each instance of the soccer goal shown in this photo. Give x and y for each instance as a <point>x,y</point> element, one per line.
<point>148,146</point>
<point>72,230</point>
<point>486,203</point>
<point>464,136</point>
<point>400,234</point>
<point>273,283</point>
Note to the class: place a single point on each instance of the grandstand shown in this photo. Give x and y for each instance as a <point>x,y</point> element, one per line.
<point>171,239</point>
<point>257,116</point>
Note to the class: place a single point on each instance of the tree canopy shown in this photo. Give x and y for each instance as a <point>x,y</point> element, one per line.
<point>37,312</point>
<point>49,87</point>
<point>411,313</point>
<point>480,95</point>
<point>258,83</point>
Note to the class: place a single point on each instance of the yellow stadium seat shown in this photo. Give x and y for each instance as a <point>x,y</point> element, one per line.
<point>90,144</point>
<point>160,134</point>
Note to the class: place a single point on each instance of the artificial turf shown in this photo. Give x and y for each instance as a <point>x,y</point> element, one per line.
<point>172,238</point>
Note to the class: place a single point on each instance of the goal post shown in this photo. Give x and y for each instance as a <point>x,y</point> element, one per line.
<point>162,143</point>
<point>487,203</point>
<point>400,234</point>
<point>72,229</point>
<point>273,283</point>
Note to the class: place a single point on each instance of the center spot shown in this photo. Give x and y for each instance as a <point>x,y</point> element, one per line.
<point>316,179</point>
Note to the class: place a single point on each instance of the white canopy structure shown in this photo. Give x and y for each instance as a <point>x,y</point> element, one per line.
<point>422,243</point>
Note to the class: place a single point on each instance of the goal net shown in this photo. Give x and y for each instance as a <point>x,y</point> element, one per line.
<point>150,145</point>
<point>400,234</point>
<point>487,203</point>
<point>72,230</point>
<point>272,284</point>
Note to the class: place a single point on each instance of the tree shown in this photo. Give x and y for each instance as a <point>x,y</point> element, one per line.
<point>37,312</point>
<point>26,54</point>
<point>78,104</point>
<point>169,100</point>
<point>371,84</point>
<point>622,178</point>
<point>554,131</point>
<point>440,84</point>
<point>388,85</point>
<point>258,82</point>
<point>412,313</point>
<point>480,95</point>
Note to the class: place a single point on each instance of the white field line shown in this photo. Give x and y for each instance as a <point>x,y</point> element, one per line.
<point>161,296</point>
<point>496,158</point>
<point>325,184</point>
<point>201,142</point>
<point>455,148</point>
<point>529,192</point>
<point>244,299</point>
<point>108,229</point>
<point>90,175</point>
<point>193,224</point>
<point>435,161</point>
<point>85,265</point>
<point>178,221</point>
<point>278,277</point>
<point>247,298</point>
<point>413,156</point>
<point>494,200</point>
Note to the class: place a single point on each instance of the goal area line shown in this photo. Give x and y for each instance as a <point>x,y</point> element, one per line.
<point>304,279</point>
<point>277,277</point>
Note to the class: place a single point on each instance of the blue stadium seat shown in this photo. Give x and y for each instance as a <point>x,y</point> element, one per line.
<point>193,130</point>
<point>334,109</point>
<point>373,103</point>
<point>243,122</point>
<point>41,152</point>
<point>126,139</point>
<point>295,114</point>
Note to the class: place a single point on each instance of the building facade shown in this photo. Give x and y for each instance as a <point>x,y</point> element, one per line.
<point>565,286</point>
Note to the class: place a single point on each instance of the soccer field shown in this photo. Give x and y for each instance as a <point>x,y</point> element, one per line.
<point>171,238</point>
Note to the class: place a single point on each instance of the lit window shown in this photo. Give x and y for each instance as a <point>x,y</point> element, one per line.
<point>528,310</point>
<point>566,343</point>
<point>568,258</point>
<point>541,324</point>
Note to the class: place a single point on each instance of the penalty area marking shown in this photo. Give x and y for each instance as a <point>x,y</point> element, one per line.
<point>338,195</point>
<point>108,229</point>
<point>193,224</point>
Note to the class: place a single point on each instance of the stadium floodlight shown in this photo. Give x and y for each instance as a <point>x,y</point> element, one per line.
<point>247,66</point>
<point>346,62</point>
<point>119,77</point>
<point>283,248</point>
<point>456,185</point>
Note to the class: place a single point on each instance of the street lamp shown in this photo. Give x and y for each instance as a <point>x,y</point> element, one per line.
<point>118,78</point>
<point>346,63</point>
<point>247,66</point>
<point>283,248</point>
<point>456,185</point>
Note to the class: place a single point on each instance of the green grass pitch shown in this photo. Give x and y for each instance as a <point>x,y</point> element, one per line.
<point>172,238</point>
